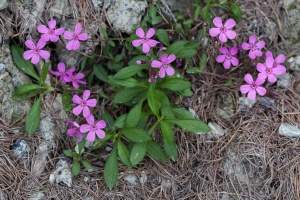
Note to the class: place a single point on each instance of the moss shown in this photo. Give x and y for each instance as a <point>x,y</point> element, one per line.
<point>292,7</point>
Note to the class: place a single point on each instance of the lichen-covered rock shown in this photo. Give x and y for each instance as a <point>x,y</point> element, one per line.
<point>246,103</point>
<point>21,148</point>
<point>62,174</point>
<point>124,14</point>
<point>225,106</point>
<point>284,80</point>
<point>294,63</point>
<point>3,4</point>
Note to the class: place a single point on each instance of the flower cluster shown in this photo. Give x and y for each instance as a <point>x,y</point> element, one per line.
<point>51,33</point>
<point>91,128</point>
<point>267,70</point>
<point>165,60</point>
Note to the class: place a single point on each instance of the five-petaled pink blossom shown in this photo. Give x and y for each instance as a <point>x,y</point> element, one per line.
<point>228,57</point>
<point>253,87</point>
<point>223,31</point>
<point>74,43</point>
<point>93,129</point>
<point>83,104</point>
<point>35,51</point>
<point>50,33</point>
<point>278,60</point>
<point>145,39</point>
<point>268,70</point>
<point>74,78</point>
<point>253,47</point>
<point>62,73</point>
<point>75,130</point>
<point>163,64</point>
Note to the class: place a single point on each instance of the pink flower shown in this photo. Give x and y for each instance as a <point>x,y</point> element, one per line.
<point>93,129</point>
<point>164,65</point>
<point>75,79</point>
<point>62,71</point>
<point>83,104</point>
<point>50,33</point>
<point>227,57</point>
<point>253,47</point>
<point>253,87</point>
<point>278,60</point>
<point>145,39</point>
<point>73,131</point>
<point>268,70</point>
<point>223,31</point>
<point>35,51</point>
<point>74,43</point>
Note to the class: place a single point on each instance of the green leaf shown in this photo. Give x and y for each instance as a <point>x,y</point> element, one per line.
<point>128,82</point>
<point>186,93</point>
<point>27,91</point>
<point>124,154</point>
<point>156,20</point>
<point>144,120</point>
<point>104,115</point>
<point>86,164</point>
<point>66,100</point>
<point>203,62</point>
<point>76,168</point>
<point>191,125</point>
<point>127,94</point>
<point>168,140</point>
<point>192,44</point>
<point>207,15</point>
<point>178,28</point>
<point>111,169</point>
<point>118,58</point>
<point>181,113</point>
<point>237,13</point>
<point>104,32</point>
<point>193,70</point>
<point>33,117</point>
<point>175,84</point>
<point>165,108</point>
<point>128,72</point>
<point>111,43</point>
<point>136,134</point>
<point>101,73</point>
<point>197,12</point>
<point>83,63</point>
<point>45,71</point>
<point>228,82</point>
<point>70,153</point>
<point>155,151</point>
<point>153,101</point>
<point>186,53</point>
<point>176,47</point>
<point>138,152</point>
<point>163,36</point>
<point>24,65</point>
<point>152,11</point>
<point>134,115</point>
<point>120,121</point>
<point>81,145</point>
<point>188,22</point>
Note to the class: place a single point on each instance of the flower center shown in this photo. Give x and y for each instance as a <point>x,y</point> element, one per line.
<point>274,64</point>
<point>252,47</point>
<point>50,31</point>
<point>269,71</point>
<point>145,39</point>
<point>228,56</point>
<point>75,37</point>
<point>223,29</point>
<point>83,103</point>
<point>253,86</point>
<point>93,127</point>
<point>36,51</point>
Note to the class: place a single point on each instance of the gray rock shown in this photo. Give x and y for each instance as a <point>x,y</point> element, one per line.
<point>61,8</point>
<point>246,103</point>
<point>40,161</point>
<point>37,196</point>
<point>62,173</point>
<point>124,14</point>
<point>132,179</point>
<point>97,5</point>
<point>108,149</point>
<point>294,63</point>
<point>21,148</point>
<point>267,102</point>
<point>225,106</point>
<point>284,80</point>
<point>289,130</point>
<point>3,196</point>
<point>3,4</point>
<point>216,129</point>
<point>46,129</point>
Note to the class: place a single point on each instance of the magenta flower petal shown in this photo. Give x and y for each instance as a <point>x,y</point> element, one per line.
<point>230,23</point>
<point>218,22</point>
<point>222,37</point>
<point>83,36</point>
<point>70,45</point>
<point>279,70</point>
<point>59,31</point>
<point>137,43</point>
<point>42,29</point>
<point>261,67</point>
<point>78,28</point>
<point>54,73</point>
<point>35,59</point>
<point>252,39</point>
<point>258,53</point>
<point>41,44</point>
<point>233,51</point>
<point>171,58</point>
<point>280,58</point>
<point>214,32</point>
<point>230,34</point>
<point>76,45</point>
<point>164,58</point>
<point>156,64</point>
<point>91,102</point>
<point>79,76</point>
<point>52,24</point>
<point>86,95</point>
<point>245,46</point>
<point>252,94</point>
<point>81,82</point>
<point>248,78</point>
<point>44,54</point>
<point>261,90</point>
<point>77,110</point>
<point>85,128</point>
<point>234,61</point>
<point>260,44</point>
<point>224,50</point>
<point>272,78</point>
<point>252,55</point>
<point>170,71</point>
<point>101,124</point>
<point>61,67</point>
<point>269,54</point>
<point>72,132</point>
<point>100,133</point>
<point>75,84</point>
<point>152,43</point>
<point>68,35</point>
<point>86,111</point>
<point>76,99</point>
<point>259,81</point>
<point>29,44</point>
<point>162,72</point>
<point>269,62</point>
<point>220,58</point>
<point>245,88</point>
<point>146,48</point>
<point>140,33</point>
<point>45,37</point>
<point>79,136</point>
<point>53,38</point>
<point>91,136</point>
<point>226,64</point>
<point>28,54</point>
<point>150,33</point>
<point>90,119</point>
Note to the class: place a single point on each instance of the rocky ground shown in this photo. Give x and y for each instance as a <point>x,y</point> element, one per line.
<point>252,151</point>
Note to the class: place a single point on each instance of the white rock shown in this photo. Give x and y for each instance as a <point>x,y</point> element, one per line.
<point>46,128</point>
<point>216,129</point>
<point>289,130</point>
<point>132,179</point>
<point>62,174</point>
<point>3,4</point>
<point>124,14</point>
<point>108,149</point>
